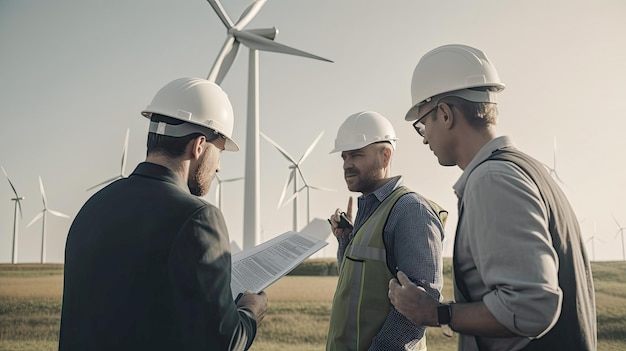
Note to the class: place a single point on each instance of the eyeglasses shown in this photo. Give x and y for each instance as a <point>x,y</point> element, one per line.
<point>419,125</point>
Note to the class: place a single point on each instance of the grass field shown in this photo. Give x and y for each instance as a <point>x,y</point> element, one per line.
<point>297,319</point>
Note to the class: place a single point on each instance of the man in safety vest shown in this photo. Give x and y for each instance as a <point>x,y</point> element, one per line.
<point>395,228</point>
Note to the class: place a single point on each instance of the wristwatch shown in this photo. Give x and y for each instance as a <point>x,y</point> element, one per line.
<point>444,317</point>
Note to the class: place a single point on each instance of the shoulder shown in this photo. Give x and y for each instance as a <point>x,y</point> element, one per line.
<point>496,172</point>
<point>414,207</point>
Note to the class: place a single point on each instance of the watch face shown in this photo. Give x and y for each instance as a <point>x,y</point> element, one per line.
<point>444,314</point>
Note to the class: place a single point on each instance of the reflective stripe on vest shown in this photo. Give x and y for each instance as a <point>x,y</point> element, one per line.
<point>361,305</point>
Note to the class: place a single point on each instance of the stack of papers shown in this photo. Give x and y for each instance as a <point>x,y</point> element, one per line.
<point>259,267</point>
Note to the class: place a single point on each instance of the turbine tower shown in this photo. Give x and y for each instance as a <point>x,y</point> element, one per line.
<point>293,175</point>
<point>255,40</point>
<point>43,214</point>
<point>218,189</point>
<point>620,231</point>
<point>552,170</point>
<point>593,239</point>
<point>18,205</point>
<point>123,166</point>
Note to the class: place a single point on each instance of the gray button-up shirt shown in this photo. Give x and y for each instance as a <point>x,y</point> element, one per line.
<point>504,249</point>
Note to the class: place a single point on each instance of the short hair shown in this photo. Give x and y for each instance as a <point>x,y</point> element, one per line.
<point>477,114</point>
<point>168,145</point>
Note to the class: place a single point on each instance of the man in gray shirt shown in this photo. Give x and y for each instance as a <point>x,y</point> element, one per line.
<point>522,276</point>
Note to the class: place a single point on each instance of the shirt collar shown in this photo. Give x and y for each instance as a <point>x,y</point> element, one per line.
<point>153,170</point>
<point>384,191</point>
<point>484,153</point>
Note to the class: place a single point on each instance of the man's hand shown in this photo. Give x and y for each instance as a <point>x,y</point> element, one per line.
<point>413,301</point>
<point>257,303</point>
<point>338,230</point>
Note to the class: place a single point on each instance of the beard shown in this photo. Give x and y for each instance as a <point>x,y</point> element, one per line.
<point>363,181</point>
<point>200,180</point>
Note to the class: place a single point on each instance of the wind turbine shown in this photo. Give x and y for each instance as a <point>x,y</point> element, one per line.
<point>552,170</point>
<point>218,189</point>
<point>620,231</point>
<point>308,188</point>
<point>593,238</point>
<point>293,175</point>
<point>43,214</point>
<point>18,205</point>
<point>123,166</point>
<point>255,40</point>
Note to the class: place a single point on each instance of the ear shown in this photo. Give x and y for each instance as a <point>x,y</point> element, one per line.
<point>447,115</point>
<point>387,156</point>
<point>196,146</point>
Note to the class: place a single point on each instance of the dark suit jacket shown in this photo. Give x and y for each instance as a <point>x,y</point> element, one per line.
<point>148,267</point>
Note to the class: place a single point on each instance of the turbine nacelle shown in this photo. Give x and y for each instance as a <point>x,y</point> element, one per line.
<point>255,39</point>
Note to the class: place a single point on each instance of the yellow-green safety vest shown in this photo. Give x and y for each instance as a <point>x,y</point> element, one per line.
<point>361,305</point>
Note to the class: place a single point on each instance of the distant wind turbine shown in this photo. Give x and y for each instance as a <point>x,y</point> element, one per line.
<point>308,188</point>
<point>255,40</point>
<point>18,205</point>
<point>620,231</point>
<point>218,189</point>
<point>593,238</point>
<point>293,175</point>
<point>123,165</point>
<point>552,170</point>
<point>42,214</point>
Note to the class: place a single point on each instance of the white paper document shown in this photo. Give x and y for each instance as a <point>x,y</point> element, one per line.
<point>259,267</point>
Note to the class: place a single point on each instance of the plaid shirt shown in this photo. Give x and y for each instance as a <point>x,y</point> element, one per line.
<point>413,235</point>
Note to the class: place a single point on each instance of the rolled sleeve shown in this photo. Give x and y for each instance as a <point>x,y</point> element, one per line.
<point>512,248</point>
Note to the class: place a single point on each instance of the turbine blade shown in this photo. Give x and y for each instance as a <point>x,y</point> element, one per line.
<point>221,13</point>
<point>292,197</point>
<point>58,214</point>
<point>321,188</point>
<point>39,215</point>
<point>218,69</point>
<point>11,184</point>
<point>257,42</point>
<point>279,148</point>
<point>282,195</point>
<point>43,194</point>
<point>124,152</point>
<point>227,63</point>
<point>105,182</point>
<point>232,179</point>
<point>249,13</point>
<point>308,151</point>
<point>616,222</point>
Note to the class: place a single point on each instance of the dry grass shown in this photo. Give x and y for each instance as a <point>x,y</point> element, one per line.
<point>297,319</point>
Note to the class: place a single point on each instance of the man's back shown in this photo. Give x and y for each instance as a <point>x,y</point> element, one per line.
<point>136,274</point>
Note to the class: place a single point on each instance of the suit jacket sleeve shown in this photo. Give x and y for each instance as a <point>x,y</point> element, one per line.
<point>200,273</point>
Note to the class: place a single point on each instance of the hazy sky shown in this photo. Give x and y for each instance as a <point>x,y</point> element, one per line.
<point>74,75</point>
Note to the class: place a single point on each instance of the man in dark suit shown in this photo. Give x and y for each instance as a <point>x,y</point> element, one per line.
<point>147,261</point>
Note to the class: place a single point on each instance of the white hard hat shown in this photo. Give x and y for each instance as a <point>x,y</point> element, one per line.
<point>196,101</point>
<point>362,129</point>
<point>454,69</point>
